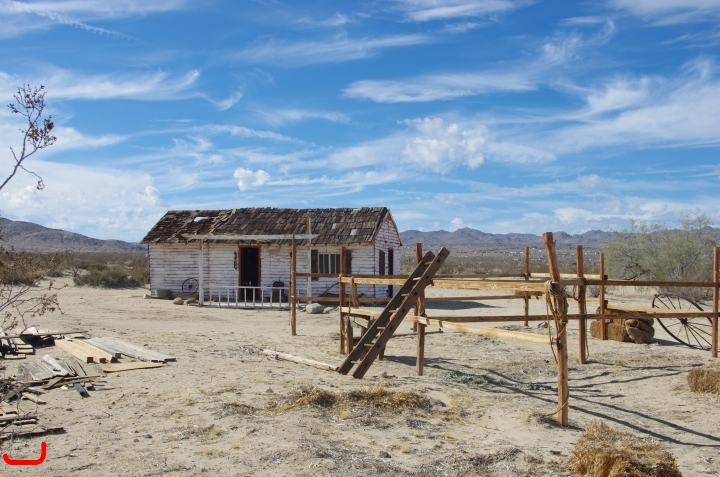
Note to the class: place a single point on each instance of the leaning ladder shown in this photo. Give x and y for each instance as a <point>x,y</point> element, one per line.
<point>382,329</point>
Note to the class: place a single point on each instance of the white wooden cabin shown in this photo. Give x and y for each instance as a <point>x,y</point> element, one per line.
<point>369,235</point>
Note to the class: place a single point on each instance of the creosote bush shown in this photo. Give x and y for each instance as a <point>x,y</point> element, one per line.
<point>120,270</point>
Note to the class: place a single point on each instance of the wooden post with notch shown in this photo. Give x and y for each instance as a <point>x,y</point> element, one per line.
<point>561,341</point>
<point>293,288</point>
<point>341,300</point>
<point>419,328</point>
<point>582,309</point>
<point>526,295</point>
<point>716,291</point>
<point>603,325</point>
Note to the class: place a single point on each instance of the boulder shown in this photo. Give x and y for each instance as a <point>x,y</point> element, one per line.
<point>191,301</point>
<point>314,308</point>
<point>178,301</point>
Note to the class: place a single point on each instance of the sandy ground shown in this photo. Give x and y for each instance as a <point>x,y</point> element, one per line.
<point>208,412</point>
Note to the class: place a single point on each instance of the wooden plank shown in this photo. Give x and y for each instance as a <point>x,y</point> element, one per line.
<point>526,295</point>
<point>471,298</point>
<point>81,390</point>
<point>58,368</point>
<point>133,350</point>
<point>649,283</point>
<point>37,371</point>
<point>420,361</point>
<point>73,350</point>
<point>117,367</point>
<point>299,360</point>
<point>50,384</point>
<point>567,275</point>
<point>489,285</point>
<point>603,323</point>
<point>494,332</point>
<point>99,355</point>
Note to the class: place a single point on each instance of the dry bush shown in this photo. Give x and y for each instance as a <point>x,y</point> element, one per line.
<point>604,452</point>
<point>705,379</point>
<point>372,398</point>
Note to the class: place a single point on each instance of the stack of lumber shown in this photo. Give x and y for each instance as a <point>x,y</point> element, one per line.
<point>16,344</point>
<point>107,352</point>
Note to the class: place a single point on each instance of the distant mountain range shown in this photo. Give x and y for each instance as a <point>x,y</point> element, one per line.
<point>467,236</point>
<point>26,236</point>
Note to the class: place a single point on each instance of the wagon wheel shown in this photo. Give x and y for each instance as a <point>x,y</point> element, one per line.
<point>695,333</point>
<point>190,286</point>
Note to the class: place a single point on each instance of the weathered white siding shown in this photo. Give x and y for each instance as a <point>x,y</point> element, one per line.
<point>172,264</point>
<point>387,239</point>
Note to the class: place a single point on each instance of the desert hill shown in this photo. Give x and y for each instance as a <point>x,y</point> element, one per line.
<point>468,236</point>
<point>27,236</point>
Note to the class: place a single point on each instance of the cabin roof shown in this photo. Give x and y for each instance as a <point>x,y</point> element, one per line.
<point>333,226</point>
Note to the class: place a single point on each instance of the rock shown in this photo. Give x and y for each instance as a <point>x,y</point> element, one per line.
<point>178,301</point>
<point>542,324</point>
<point>147,296</point>
<point>148,436</point>
<point>384,455</point>
<point>314,308</point>
<point>269,391</point>
<point>383,374</point>
<point>191,301</point>
<point>136,440</point>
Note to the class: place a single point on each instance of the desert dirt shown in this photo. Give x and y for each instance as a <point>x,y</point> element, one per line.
<point>225,409</point>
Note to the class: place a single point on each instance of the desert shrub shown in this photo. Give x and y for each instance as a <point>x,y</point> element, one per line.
<point>110,277</point>
<point>92,265</point>
<point>655,252</point>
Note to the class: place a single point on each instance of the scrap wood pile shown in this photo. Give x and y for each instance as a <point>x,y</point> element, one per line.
<point>16,344</point>
<point>638,331</point>
<point>82,369</point>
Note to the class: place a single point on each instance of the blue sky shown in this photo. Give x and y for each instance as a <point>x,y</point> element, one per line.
<point>501,115</point>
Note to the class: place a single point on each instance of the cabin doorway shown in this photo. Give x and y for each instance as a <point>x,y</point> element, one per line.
<point>249,272</point>
<point>391,271</point>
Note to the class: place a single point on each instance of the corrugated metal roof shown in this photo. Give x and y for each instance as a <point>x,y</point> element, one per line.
<point>333,226</point>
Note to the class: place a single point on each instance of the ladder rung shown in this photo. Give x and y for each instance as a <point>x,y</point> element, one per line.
<point>370,344</point>
<point>417,278</point>
<point>381,327</point>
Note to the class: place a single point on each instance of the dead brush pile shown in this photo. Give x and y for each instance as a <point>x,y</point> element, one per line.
<point>604,452</point>
<point>377,398</point>
<point>705,379</point>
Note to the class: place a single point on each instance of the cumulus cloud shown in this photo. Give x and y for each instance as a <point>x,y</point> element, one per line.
<point>458,223</point>
<point>248,179</point>
<point>443,146</point>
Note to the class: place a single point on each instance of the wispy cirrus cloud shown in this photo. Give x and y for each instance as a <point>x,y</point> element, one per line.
<point>520,77</point>
<point>278,117</point>
<point>668,12</point>
<point>331,50</point>
<point>25,16</point>
<point>428,10</point>
<point>66,84</point>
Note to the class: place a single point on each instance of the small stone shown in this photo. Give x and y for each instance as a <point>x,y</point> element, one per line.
<point>63,387</point>
<point>178,301</point>
<point>68,409</point>
<point>269,391</point>
<point>542,324</point>
<point>112,403</point>
<point>146,296</point>
<point>191,301</point>
<point>16,447</point>
<point>314,308</point>
<point>383,374</point>
<point>269,371</point>
<point>148,436</point>
<point>384,455</point>
<point>136,440</point>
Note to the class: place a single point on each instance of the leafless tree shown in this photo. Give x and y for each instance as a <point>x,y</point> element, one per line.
<point>30,103</point>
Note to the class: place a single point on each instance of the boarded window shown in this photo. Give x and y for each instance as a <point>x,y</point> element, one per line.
<point>314,262</point>
<point>348,262</point>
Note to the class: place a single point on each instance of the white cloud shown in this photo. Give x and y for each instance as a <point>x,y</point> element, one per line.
<point>242,131</point>
<point>439,87</point>
<point>103,203</point>
<point>441,146</point>
<point>428,10</point>
<point>300,53</point>
<point>65,84</point>
<point>665,12</point>
<point>458,223</point>
<point>248,179</point>
<point>228,102</point>
<point>279,117</point>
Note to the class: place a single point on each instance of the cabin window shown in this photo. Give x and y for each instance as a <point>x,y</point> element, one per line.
<point>329,263</point>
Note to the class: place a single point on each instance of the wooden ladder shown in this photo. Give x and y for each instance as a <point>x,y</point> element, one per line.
<point>381,330</point>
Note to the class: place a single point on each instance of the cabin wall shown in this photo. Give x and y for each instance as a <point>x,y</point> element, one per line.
<point>172,264</point>
<point>387,238</point>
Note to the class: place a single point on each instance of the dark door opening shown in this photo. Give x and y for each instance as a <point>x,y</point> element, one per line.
<point>249,272</point>
<point>390,258</point>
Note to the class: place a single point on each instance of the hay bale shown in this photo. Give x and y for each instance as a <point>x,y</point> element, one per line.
<point>615,331</point>
<point>705,379</point>
<point>604,452</point>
